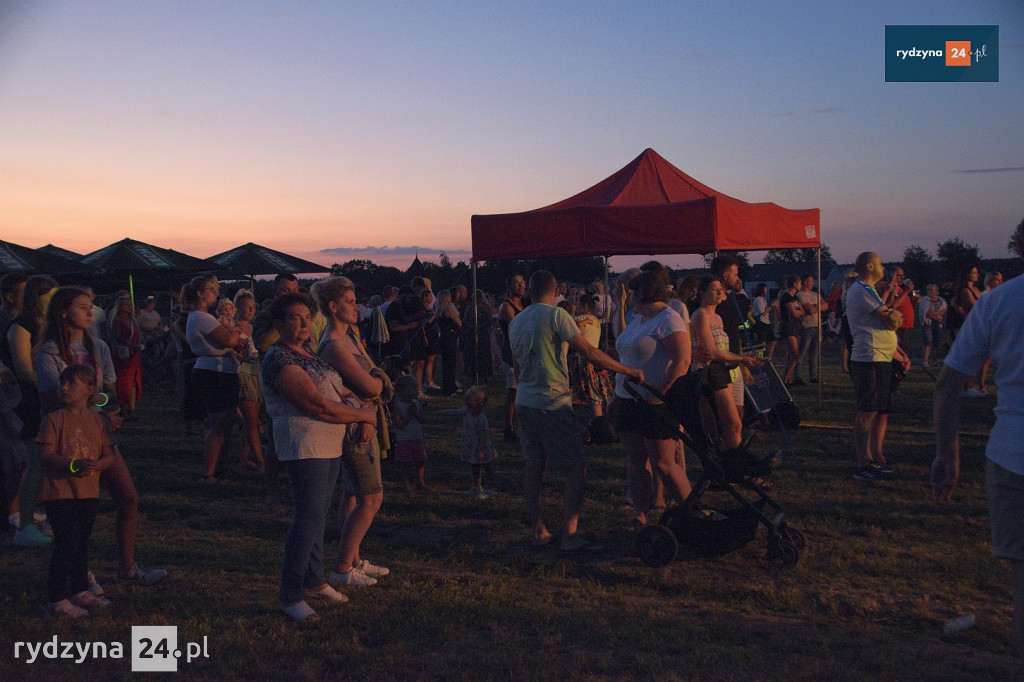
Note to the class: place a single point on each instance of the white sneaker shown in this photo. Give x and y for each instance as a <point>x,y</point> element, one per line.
<point>353,577</point>
<point>14,520</point>
<point>94,586</point>
<point>371,570</point>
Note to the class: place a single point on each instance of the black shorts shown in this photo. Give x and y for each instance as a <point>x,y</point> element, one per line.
<point>717,375</point>
<point>872,386</point>
<point>218,391</point>
<point>790,328</point>
<point>653,421</point>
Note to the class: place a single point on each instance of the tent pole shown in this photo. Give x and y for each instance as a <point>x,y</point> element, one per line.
<point>818,350</point>
<point>476,332</point>
<point>607,309</point>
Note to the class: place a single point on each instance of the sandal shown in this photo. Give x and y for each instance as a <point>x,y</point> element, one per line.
<point>65,609</point>
<point>300,611</point>
<point>88,600</point>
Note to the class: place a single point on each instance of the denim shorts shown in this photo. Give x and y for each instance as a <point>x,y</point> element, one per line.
<point>1005,492</point>
<point>872,386</point>
<point>360,465</point>
<point>934,334</point>
<point>551,436</point>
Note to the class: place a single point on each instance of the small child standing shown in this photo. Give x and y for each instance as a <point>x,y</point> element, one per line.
<point>477,448</point>
<point>74,448</point>
<point>409,449</point>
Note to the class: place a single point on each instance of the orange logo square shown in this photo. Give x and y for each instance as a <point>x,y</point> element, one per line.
<point>958,53</point>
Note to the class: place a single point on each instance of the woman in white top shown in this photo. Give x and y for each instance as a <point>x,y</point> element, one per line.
<point>215,375</point>
<point>656,341</point>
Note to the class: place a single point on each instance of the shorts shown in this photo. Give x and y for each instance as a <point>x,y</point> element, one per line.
<point>1005,492</point>
<point>872,386</point>
<point>510,376</point>
<point>551,436</point>
<point>790,328</point>
<point>410,451</point>
<point>218,391</point>
<point>360,465</point>
<point>653,421</point>
<point>717,376</point>
<point>249,387</point>
<point>738,394</point>
<point>934,334</point>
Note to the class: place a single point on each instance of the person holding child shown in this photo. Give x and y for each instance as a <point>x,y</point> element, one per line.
<point>216,371</point>
<point>362,488</point>
<point>306,400</point>
<point>74,448</point>
<point>409,449</point>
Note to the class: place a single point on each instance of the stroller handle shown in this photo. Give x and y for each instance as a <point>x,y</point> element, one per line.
<point>628,385</point>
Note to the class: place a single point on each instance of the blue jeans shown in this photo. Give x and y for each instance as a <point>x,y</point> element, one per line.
<point>312,483</point>
<point>808,347</point>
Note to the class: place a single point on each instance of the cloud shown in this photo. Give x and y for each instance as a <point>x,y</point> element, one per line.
<point>1011,169</point>
<point>385,251</point>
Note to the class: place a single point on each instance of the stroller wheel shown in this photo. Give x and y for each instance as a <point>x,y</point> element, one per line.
<point>672,518</point>
<point>656,545</point>
<point>782,551</point>
<point>795,537</point>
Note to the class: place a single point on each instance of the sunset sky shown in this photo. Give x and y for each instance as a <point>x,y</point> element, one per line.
<point>337,130</point>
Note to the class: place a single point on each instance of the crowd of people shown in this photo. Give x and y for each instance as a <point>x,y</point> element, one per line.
<point>324,385</point>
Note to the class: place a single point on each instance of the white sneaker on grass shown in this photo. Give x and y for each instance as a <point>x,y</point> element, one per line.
<point>353,577</point>
<point>371,570</point>
<point>94,586</point>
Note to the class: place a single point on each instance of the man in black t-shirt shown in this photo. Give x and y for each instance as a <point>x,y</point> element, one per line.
<point>733,311</point>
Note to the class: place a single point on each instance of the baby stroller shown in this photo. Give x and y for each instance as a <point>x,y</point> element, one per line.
<point>701,529</point>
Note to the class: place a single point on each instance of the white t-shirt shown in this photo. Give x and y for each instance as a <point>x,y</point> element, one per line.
<point>148,321</point>
<point>872,340</point>
<point>809,298</point>
<point>639,346</point>
<point>995,327</point>
<point>212,355</point>
<point>761,309</point>
<point>539,339</point>
<point>937,306</point>
<point>681,310</point>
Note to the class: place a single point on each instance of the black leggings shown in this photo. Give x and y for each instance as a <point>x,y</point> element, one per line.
<point>72,525</point>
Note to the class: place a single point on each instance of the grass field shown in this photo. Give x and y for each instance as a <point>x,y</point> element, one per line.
<point>883,570</point>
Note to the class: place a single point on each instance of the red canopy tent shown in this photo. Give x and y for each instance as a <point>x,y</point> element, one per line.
<point>648,207</point>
